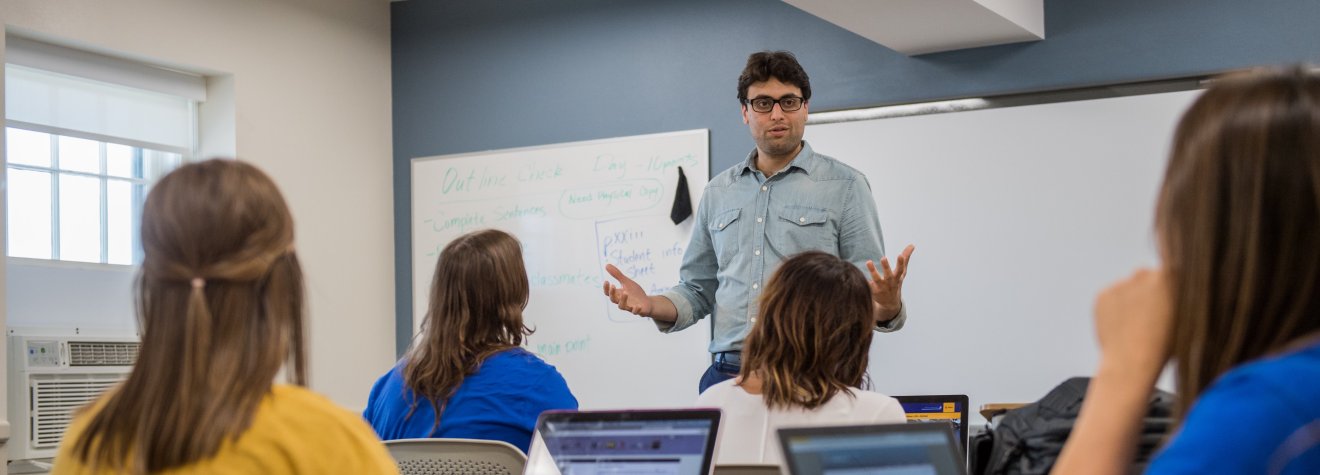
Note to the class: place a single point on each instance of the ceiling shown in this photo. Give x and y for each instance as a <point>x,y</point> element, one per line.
<point>915,27</point>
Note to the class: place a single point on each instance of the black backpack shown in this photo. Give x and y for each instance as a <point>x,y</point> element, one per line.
<point>1028,440</point>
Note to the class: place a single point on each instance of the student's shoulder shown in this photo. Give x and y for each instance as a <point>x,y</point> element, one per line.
<point>722,393</point>
<point>882,407</point>
<point>872,397</point>
<point>1262,403</point>
<point>296,430</point>
<point>1250,409</point>
<point>1292,379</point>
<point>517,363</point>
<point>395,374</point>
<point>517,357</point>
<point>295,403</point>
<point>1305,359</point>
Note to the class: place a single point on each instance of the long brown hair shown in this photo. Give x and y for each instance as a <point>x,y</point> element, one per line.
<point>1239,224</point>
<point>220,304</point>
<point>813,338</point>
<point>478,294</point>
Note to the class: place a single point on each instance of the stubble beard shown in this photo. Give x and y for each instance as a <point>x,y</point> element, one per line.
<point>778,147</point>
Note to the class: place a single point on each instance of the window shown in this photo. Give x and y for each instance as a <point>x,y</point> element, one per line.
<point>86,136</point>
<point>76,199</point>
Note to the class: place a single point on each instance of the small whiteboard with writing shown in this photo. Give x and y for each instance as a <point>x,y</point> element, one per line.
<point>576,207</point>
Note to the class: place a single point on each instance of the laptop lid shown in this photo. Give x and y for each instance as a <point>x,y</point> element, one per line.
<point>672,441</point>
<point>951,408</point>
<point>888,449</point>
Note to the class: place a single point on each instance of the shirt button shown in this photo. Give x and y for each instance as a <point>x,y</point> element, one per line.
<point>758,220</point>
<point>756,286</point>
<point>757,252</point>
<point>802,219</point>
<point>753,319</point>
<point>721,225</point>
<point>765,188</point>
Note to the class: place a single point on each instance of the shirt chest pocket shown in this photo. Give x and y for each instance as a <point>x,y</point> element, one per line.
<point>803,228</point>
<point>724,235</point>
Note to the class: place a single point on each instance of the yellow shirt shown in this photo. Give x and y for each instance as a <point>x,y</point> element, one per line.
<point>295,431</point>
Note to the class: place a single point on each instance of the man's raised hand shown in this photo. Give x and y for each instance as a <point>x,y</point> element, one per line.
<point>627,295</point>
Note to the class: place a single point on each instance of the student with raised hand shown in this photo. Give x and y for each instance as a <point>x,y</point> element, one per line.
<point>804,361</point>
<point>466,375</point>
<point>220,303</point>
<point>1235,305</point>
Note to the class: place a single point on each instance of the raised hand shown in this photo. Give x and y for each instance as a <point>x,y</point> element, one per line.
<point>627,295</point>
<point>1133,323</point>
<point>887,283</point>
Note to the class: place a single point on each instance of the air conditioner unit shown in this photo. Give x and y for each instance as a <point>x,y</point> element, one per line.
<point>51,376</point>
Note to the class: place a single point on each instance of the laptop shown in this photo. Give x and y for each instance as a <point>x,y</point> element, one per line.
<point>950,408</point>
<point>887,449</point>
<point>670,441</point>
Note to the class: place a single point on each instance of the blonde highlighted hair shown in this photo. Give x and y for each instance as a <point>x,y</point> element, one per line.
<point>813,338</point>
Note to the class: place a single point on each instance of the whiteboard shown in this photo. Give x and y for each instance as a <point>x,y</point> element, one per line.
<point>1020,216</point>
<point>575,207</point>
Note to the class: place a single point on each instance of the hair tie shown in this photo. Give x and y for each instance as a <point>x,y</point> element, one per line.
<point>198,282</point>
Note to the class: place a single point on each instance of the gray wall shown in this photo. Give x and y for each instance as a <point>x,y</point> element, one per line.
<point>491,74</point>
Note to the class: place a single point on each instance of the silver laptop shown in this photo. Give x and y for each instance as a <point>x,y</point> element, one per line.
<point>660,442</point>
<point>887,449</point>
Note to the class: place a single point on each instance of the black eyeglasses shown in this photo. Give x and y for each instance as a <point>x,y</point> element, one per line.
<point>786,103</point>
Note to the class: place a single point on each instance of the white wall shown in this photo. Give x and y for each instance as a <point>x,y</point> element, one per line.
<point>44,294</point>
<point>310,84</point>
<point>1020,216</point>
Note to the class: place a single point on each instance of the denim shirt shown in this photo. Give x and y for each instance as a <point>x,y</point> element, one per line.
<point>747,224</point>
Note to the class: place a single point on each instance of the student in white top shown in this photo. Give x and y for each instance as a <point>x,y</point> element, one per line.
<point>803,362</point>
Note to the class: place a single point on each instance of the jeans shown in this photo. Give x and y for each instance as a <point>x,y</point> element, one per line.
<point>717,372</point>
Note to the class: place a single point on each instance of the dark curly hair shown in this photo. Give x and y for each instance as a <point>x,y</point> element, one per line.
<point>780,65</point>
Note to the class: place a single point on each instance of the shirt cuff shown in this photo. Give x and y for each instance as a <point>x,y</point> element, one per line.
<point>684,310</point>
<point>896,323</point>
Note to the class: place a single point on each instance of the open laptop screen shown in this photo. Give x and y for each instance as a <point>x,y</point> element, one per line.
<point>888,449</point>
<point>951,408</point>
<point>663,442</point>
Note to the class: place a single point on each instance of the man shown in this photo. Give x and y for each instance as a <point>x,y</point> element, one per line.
<point>784,199</point>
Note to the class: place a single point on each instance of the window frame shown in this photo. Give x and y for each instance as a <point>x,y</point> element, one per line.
<point>103,179</point>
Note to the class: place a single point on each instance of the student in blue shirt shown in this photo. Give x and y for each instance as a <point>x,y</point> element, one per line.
<point>782,200</point>
<point>1236,305</point>
<point>466,375</point>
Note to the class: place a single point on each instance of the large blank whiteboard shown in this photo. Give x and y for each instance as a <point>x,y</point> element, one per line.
<point>575,207</point>
<point>1020,215</point>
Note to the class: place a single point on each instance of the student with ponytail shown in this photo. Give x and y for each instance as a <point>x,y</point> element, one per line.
<point>220,304</point>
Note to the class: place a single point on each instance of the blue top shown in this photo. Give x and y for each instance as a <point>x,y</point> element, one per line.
<point>747,224</point>
<point>1261,417</point>
<point>501,401</point>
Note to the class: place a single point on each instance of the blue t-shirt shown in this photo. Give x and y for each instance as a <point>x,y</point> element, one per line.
<point>1261,417</point>
<point>501,401</point>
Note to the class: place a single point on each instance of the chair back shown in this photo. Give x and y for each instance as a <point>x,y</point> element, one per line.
<point>456,457</point>
<point>747,469</point>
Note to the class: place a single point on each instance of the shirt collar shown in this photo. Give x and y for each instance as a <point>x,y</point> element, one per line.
<point>805,160</point>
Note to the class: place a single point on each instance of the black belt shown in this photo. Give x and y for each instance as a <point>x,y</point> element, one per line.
<point>729,357</point>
